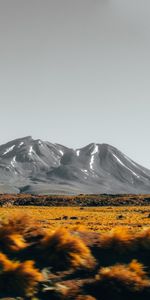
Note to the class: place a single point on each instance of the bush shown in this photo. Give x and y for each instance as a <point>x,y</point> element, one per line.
<point>18,279</point>
<point>17,232</point>
<point>121,282</point>
<point>142,239</point>
<point>118,239</point>
<point>61,250</point>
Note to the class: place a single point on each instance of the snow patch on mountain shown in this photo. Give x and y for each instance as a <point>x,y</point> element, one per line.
<point>125,166</point>
<point>31,151</point>
<point>78,152</point>
<point>9,149</point>
<point>93,157</point>
<point>61,152</point>
<point>21,144</point>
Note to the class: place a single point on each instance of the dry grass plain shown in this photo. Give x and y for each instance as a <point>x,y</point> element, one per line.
<point>93,259</point>
<point>95,219</point>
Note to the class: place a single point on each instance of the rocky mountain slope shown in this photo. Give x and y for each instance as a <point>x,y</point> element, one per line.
<point>36,166</point>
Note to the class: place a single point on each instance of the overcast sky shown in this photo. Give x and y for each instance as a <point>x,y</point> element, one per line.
<point>75,72</point>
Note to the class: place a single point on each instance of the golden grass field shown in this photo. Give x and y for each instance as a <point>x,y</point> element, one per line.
<point>103,254</point>
<point>96,219</point>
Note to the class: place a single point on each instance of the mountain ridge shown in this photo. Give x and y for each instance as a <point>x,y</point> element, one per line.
<point>36,166</point>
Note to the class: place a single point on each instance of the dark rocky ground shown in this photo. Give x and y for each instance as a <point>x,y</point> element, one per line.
<point>78,200</point>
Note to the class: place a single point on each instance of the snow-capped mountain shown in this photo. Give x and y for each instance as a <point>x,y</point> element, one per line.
<point>35,166</point>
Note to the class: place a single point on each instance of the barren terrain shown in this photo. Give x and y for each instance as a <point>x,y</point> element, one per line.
<point>52,250</point>
<point>96,219</point>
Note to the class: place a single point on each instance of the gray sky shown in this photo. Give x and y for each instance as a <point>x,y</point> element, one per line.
<point>76,71</point>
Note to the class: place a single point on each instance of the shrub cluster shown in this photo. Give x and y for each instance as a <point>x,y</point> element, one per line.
<point>121,282</point>
<point>62,251</point>
<point>59,250</point>
<point>18,279</point>
<point>60,265</point>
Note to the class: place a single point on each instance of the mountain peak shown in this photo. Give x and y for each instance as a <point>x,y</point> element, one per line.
<point>42,167</point>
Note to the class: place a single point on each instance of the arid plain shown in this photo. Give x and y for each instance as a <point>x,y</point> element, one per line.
<point>75,247</point>
<point>96,219</point>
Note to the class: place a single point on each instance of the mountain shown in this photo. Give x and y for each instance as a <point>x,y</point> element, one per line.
<point>35,166</point>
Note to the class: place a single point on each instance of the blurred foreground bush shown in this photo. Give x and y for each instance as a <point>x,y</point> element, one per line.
<point>61,264</point>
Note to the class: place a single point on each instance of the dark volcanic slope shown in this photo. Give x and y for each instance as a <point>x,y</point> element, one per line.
<point>35,166</point>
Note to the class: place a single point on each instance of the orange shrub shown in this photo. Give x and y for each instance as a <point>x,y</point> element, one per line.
<point>18,279</point>
<point>17,232</point>
<point>132,275</point>
<point>118,239</point>
<point>142,239</point>
<point>121,282</point>
<point>63,250</point>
